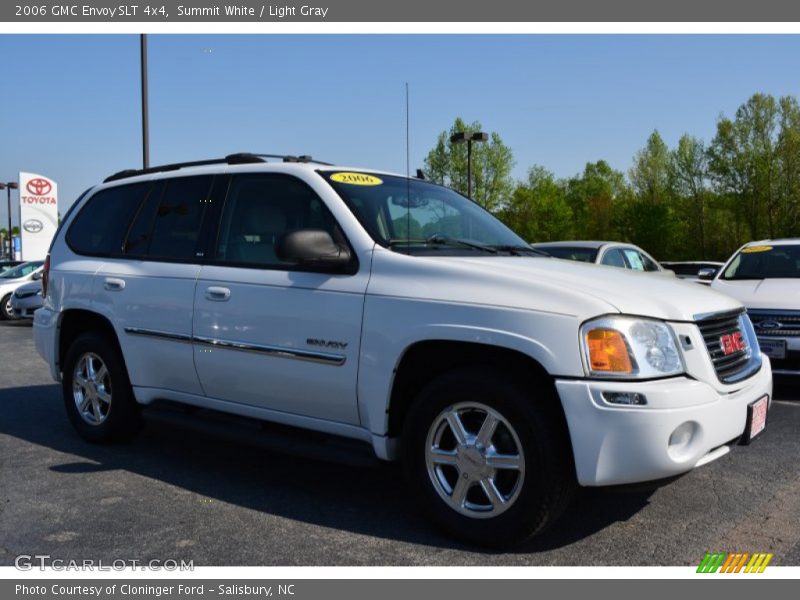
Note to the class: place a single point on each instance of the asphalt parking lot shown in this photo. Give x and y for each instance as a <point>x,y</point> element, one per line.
<point>178,493</point>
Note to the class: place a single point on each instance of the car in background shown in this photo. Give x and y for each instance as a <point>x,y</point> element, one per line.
<point>26,299</point>
<point>12,279</point>
<point>690,269</point>
<point>612,254</point>
<point>765,277</point>
<point>5,265</point>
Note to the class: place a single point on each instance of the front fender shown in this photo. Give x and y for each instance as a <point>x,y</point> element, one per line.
<point>393,325</point>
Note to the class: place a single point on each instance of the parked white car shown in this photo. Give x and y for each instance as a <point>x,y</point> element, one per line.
<point>611,254</point>
<point>765,277</point>
<point>13,278</point>
<point>27,299</point>
<point>291,291</point>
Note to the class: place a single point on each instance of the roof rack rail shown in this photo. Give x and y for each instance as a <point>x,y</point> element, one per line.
<point>238,158</point>
<point>303,158</point>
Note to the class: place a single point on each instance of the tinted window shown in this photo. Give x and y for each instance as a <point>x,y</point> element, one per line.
<point>765,262</point>
<point>614,258</point>
<point>22,270</point>
<point>649,263</point>
<point>100,227</point>
<point>570,253</point>
<point>168,226</point>
<point>260,209</point>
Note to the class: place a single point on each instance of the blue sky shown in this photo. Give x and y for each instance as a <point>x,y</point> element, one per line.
<point>70,103</point>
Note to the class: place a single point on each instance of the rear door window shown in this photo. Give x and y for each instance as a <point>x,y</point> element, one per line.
<point>168,226</point>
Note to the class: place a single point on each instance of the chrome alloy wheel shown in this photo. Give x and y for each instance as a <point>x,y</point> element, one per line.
<point>91,388</point>
<point>475,460</point>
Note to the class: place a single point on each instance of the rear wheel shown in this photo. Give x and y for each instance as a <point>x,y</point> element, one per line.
<point>97,393</point>
<point>487,457</point>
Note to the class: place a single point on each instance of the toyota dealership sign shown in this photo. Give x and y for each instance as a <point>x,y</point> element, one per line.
<point>38,214</point>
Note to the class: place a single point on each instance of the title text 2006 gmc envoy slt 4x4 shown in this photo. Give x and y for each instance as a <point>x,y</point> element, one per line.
<point>396,312</point>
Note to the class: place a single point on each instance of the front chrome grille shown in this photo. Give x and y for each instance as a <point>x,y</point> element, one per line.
<point>727,366</point>
<point>775,323</point>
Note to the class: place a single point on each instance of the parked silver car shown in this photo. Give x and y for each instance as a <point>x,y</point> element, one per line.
<point>26,299</point>
<point>612,254</point>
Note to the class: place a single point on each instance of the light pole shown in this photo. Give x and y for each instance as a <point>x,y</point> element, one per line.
<point>145,119</point>
<point>466,136</point>
<point>10,185</point>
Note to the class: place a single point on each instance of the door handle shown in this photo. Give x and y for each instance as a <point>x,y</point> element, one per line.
<point>112,284</point>
<point>218,294</point>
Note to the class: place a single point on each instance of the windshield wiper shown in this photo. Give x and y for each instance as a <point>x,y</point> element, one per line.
<point>442,240</point>
<point>516,250</point>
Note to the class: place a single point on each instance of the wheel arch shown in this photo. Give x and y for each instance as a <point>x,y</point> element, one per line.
<point>75,321</point>
<point>423,361</point>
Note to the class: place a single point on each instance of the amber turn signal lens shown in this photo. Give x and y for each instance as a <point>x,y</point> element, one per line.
<point>608,352</point>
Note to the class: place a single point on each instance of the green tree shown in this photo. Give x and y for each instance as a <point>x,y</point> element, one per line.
<point>743,163</point>
<point>492,162</point>
<point>688,173</point>
<point>649,214</point>
<point>593,197</point>
<point>650,172</point>
<point>788,157</point>
<point>538,210</point>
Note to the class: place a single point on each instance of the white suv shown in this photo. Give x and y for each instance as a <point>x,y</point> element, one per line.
<point>765,277</point>
<point>396,312</point>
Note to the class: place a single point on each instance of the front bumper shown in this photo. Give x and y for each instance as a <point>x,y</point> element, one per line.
<point>24,308</point>
<point>615,444</point>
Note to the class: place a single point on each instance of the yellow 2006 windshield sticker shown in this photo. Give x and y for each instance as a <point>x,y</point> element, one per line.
<point>356,179</point>
<point>756,249</point>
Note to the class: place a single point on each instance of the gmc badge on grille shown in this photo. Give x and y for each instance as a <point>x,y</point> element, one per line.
<point>732,342</point>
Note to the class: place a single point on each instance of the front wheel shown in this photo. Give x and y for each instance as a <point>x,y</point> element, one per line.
<point>6,312</point>
<point>488,459</point>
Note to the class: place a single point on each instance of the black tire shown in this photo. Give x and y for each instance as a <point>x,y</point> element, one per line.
<point>533,413</point>
<point>6,314</point>
<point>122,418</point>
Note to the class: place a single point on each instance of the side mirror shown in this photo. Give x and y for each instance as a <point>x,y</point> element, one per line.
<point>312,247</point>
<point>706,274</point>
<point>36,276</point>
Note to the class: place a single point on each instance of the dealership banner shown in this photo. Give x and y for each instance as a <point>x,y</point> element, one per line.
<point>38,214</point>
<point>407,11</point>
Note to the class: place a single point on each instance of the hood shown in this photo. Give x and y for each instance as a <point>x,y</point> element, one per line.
<point>544,284</point>
<point>33,286</point>
<point>783,294</point>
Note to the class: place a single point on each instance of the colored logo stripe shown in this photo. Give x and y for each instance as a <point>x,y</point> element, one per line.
<point>734,563</point>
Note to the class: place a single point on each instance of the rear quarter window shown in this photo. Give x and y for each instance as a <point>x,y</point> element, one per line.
<point>101,225</point>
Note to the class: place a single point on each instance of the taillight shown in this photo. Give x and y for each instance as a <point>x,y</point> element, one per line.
<point>45,275</point>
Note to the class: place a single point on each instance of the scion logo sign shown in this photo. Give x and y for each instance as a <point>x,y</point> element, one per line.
<point>33,225</point>
<point>39,186</point>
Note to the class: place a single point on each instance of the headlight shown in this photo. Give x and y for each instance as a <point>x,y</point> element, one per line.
<point>627,347</point>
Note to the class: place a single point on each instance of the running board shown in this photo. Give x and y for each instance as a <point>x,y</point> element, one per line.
<point>273,437</point>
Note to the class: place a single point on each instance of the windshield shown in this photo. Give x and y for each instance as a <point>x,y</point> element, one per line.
<point>570,253</point>
<point>416,216</point>
<point>764,262</point>
<point>21,270</point>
